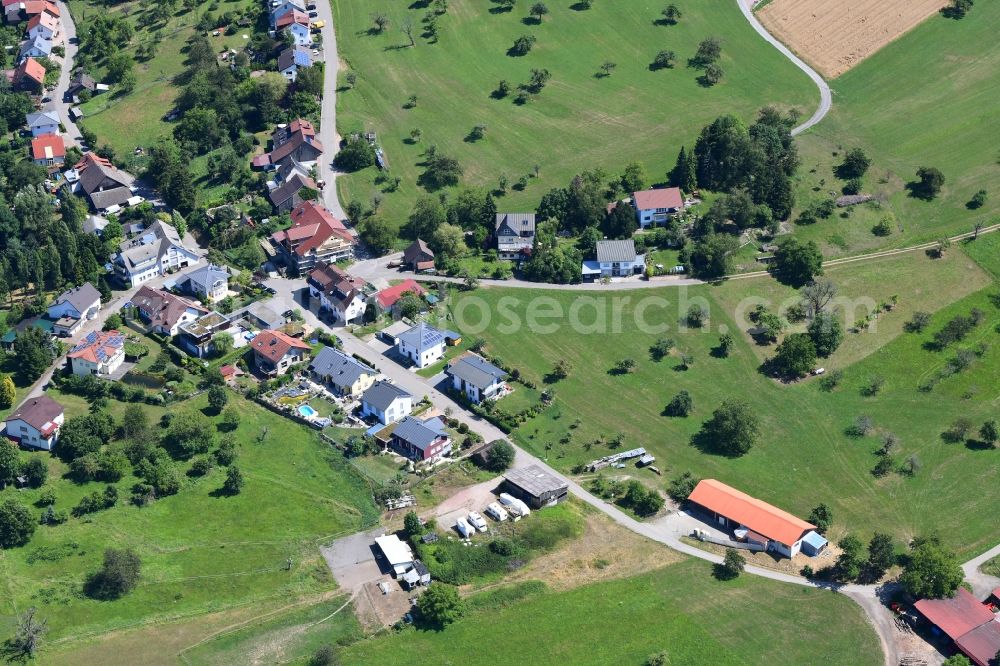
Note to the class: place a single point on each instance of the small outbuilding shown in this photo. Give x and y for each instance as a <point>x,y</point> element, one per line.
<point>535,486</point>
<point>396,552</point>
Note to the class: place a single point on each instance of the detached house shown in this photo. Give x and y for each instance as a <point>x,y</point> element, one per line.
<point>515,234</point>
<point>209,283</point>
<point>48,150</point>
<point>338,292</point>
<point>476,378</point>
<point>79,83</point>
<point>342,374</point>
<point>421,440</point>
<point>198,337</point>
<point>73,307</point>
<point>615,258</point>
<point>36,423</point>
<point>423,344</point>
<point>295,23</point>
<point>43,122</point>
<point>288,195</point>
<point>418,257</point>
<point>43,25</point>
<point>37,47</point>
<point>165,312</point>
<point>275,352</point>
<point>388,299</point>
<point>29,76</point>
<point>655,207</point>
<point>315,236</point>
<point>386,402</point>
<point>100,353</point>
<point>295,143</point>
<point>103,183</point>
<point>282,7</point>
<point>157,250</point>
<point>291,59</point>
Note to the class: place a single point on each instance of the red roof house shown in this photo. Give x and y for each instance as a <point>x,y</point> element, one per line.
<point>48,149</point>
<point>275,351</point>
<point>315,235</point>
<point>388,297</point>
<point>654,206</point>
<point>30,73</point>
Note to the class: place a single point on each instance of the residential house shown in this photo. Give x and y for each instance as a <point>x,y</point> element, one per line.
<point>103,183</point>
<point>29,76</point>
<point>275,352</point>
<point>12,11</point>
<point>655,207</point>
<point>100,353</point>
<point>79,83</point>
<point>423,344</point>
<point>388,299</point>
<point>615,258</point>
<point>315,236</point>
<point>164,312</point>
<point>295,142</point>
<point>969,623</point>
<point>197,337</point>
<point>535,487</point>
<point>43,25</point>
<point>261,315</point>
<point>342,374</point>
<point>386,402</point>
<point>760,523</point>
<point>420,440</point>
<point>337,291</point>
<point>94,224</point>
<point>288,195</point>
<point>291,59</point>
<point>48,150</point>
<point>36,423</point>
<point>156,250</point>
<point>43,122</point>
<point>418,257</point>
<point>476,378</point>
<point>9,340</point>
<point>283,7</point>
<point>210,283</point>
<point>73,307</point>
<point>38,47</point>
<point>515,234</point>
<point>295,23</point>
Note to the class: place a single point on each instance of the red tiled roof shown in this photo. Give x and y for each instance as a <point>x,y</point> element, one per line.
<point>755,514</point>
<point>388,297</point>
<point>47,146</point>
<point>39,413</point>
<point>103,344</point>
<point>164,309</point>
<point>981,644</point>
<point>32,69</point>
<point>230,371</point>
<point>956,616</point>
<point>294,16</point>
<point>52,8</point>
<point>44,19</point>
<point>32,7</point>
<point>669,197</point>
<point>302,125</point>
<point>313,225</point>
<point>273,345</point>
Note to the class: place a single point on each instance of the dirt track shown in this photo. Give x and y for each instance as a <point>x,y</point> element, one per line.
<point>835,36</point>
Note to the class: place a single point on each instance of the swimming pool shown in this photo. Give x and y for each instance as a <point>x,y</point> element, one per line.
<point>307,411</point>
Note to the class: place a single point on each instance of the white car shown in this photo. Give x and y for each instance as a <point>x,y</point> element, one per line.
<point>464,528</point>
<point>477,521</point>
<point>496,512</point>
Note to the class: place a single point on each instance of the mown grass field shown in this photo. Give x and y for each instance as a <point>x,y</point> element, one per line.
<point>804,456</point>
<point>201,552</point>
<point>578,121</point>
<point>679,609</point>
<point>927,99</point>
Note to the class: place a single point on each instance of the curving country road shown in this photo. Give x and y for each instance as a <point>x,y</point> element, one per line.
<point>825,96</point>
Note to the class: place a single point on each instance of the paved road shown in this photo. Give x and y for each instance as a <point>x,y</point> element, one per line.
<point>72,135</point>
<point>825,96</point>
<point>982,584</point>
<point>328,125</point>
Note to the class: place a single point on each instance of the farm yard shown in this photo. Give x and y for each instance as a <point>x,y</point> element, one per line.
<point>804,427</point>
<point>579,121</point>
<point>678,609</point>
<point>925,100</point>
<point>836,36</point>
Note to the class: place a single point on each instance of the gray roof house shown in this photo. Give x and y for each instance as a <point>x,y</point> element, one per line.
<point>387,402</point>
<point>615,258</point>
<point>343,373</point>
<point>42,122</point>
<point>79,302</point>
<point>103,183</point>
<point>156,251</point>
<point>423,344</point>
<point>210,282</point>
<point>421,440</point>
<point>476,377</point>
<point>515,233</point>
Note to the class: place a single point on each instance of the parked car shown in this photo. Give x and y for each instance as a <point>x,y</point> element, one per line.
<point>464,528</point>
<point>313,14</point>
<point>496,512</point>
<point>477,521</point>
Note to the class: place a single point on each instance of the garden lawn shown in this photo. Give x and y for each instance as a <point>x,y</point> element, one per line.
<point>926,99</point>
<point>578,121</point>
<point>201,551</point>
<point>803,456</point>
<point>679,609</point>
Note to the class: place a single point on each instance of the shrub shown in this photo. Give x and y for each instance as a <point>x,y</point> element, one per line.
<point>117,577</point>
<point>680,405</point>
<point>681,487</point>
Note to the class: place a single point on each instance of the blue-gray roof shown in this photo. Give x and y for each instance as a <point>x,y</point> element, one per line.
<point>814,539</point>
<point>476,370</point>
<point>381,395</point>
<point>610,251</point>
<point>416,432</point>
<point>206,276</point>
<point>423,336</point>
<point>342,369</point>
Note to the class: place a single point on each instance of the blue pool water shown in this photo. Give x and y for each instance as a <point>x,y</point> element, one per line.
<point>307,411</point>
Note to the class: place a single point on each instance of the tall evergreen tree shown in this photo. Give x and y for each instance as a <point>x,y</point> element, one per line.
<point>683,175</point>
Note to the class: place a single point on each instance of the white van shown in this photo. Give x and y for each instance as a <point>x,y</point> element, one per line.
<point>496,512</point>
<point>464,528</point>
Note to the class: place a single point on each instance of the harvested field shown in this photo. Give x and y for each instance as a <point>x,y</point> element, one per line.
<point>835,36</point>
